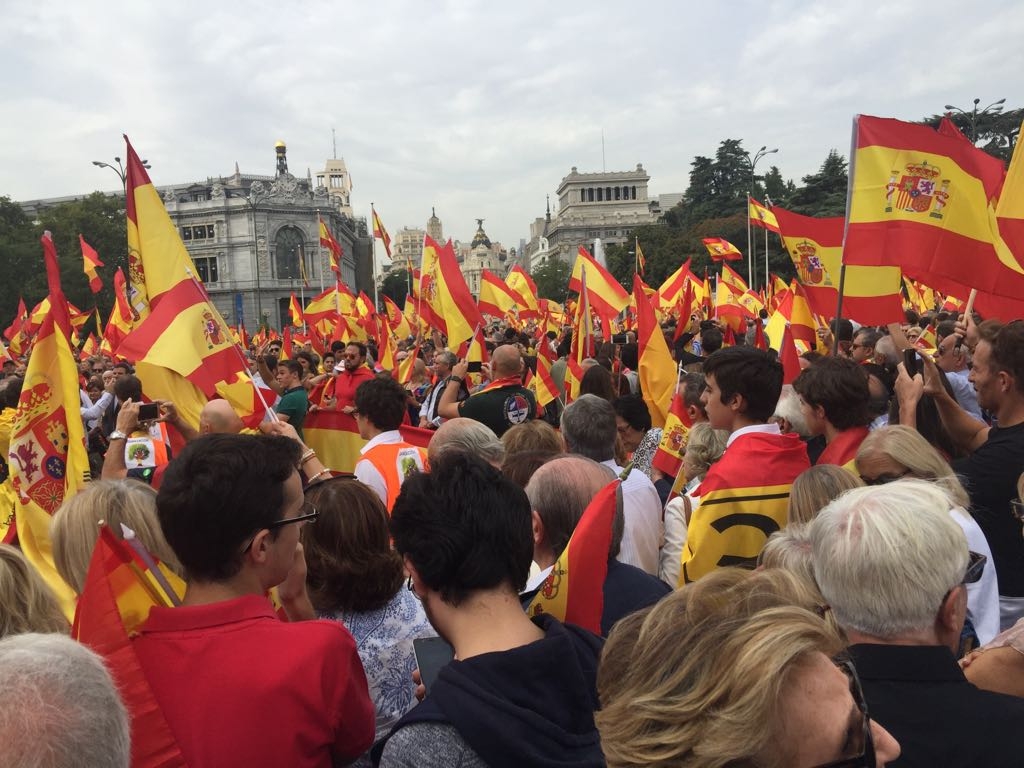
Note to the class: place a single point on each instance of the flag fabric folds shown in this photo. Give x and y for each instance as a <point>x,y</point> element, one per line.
<point>333,246</point>
<point>657,371</point>
<point>641,262</point>
<point>721,250</point>
<point>91,261</point>
<point>380,232</point>
<point>925,200</point>
<point>444,291</point>
<point>668,458</point>
<point>526,292</point>
<point>574,590</point>
<point>607,296</point>
<point>47,459</point>
<point>761,216</point>
<point>871,295</point>
<point>496,298</point>
<point>335,438</point>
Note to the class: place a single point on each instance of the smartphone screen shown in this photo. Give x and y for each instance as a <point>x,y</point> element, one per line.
<point>910,362</point>
<point>149,411</point>
<point>474,367</point>
<point>432,654</point>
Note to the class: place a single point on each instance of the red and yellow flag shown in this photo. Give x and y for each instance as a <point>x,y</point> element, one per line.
<point>335,438</point>
<point>641,262</point>
<point>925,200</point>
<point>398,322</point>
<point>496,298</point>
<point>657,371</point>
<point>91,261</point>
<point>16,331</point>
<point>295,312</point>
<point>47,460</point>
<point>381,233</point>
<point>607,296</point>
<point>574,590</point>
<point>1010,208</point>
<point>445,292</point>
<point>543,385</point>
<point>119,324</point>
<point>120,588</point>
<point>333,246</point>
<point>525,290</point>
<point>761,216</point>
<point>721,249</point>
<point>403,374</point>
<point>789,357</point>
<point>668,459</point>
<point>871,295</point>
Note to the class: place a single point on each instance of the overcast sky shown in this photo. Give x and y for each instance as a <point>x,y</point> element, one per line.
<point>476,108</point>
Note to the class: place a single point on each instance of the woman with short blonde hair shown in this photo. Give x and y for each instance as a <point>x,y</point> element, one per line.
<point>734,669</point>
<point>75,525</point>
<point>814,488</point>
<point>26,603</point>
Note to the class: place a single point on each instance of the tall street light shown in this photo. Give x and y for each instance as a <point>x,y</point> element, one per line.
<point>753,161</point>
<point>992,109</point>
<point>120,170</point>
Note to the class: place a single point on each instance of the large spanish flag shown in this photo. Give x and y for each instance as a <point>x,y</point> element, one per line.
<point>744,499</point>
<point>47,460</point>
<point>657,370</point>
<point>335,438</point>
<point>445,291</point>
<point>525,289</point>
<point>871,295</point>
<point>574,590</point>
<point>496,298</point>
<point>925,200</point>
<point>119,324</point>
<point>607,296</point>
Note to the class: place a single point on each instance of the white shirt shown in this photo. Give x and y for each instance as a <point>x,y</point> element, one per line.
<point>368,474</point>
<point>982,595</point>
<point>675,533</point>
<point>767,429</point>
<point>93,412</point>
<point>641,506</point>
<point>964,392</point>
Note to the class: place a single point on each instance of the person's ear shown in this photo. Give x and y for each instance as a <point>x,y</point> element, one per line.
<point>538,529</point>
<point>953,613</point>
<point>259,550</point>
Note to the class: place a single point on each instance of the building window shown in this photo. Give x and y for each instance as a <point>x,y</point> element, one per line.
<point>199,197</point>
<point>590,195</point>
<point>336,181</point>
<point>186,233</point>
<point>289,249</point>
<point>600,194</point>
<point>206,267</point>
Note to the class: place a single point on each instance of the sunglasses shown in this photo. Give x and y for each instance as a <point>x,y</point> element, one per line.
<point>866,752</point>
<point>884,478</point>
<point>307,513</point>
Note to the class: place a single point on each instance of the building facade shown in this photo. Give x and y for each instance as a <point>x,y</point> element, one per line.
<point>478,255</point>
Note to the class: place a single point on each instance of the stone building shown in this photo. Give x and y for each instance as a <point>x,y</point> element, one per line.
<point>479,255</point>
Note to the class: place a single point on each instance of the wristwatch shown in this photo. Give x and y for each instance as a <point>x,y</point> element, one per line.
<point>117,435</point>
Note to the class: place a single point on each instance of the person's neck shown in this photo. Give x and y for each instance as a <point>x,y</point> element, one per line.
<point>1011,411</point>
<point>544,557</point>
<point>487,622</point>
<point>207,592</point>
<point>914,638</point>
<point>830,432</point>
<point>742,422</point>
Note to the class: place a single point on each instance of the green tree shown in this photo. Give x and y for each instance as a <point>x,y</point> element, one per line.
<point>776,188</point>
<point>22,259</point>
<point>395,285</point>
<point>823,193</point>
<point>552,279</point>
<point>996,132</point>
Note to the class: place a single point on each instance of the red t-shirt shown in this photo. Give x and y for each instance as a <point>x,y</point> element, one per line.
<point>238,686</point>
<point>346,384</point>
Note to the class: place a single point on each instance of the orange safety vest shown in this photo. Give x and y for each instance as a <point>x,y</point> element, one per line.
<point>147,448</point>
<point>395,462</point>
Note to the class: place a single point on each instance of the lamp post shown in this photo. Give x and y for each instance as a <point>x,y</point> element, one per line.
<point>992,109</point>
<point>120,170</point>
<point>753,161</point>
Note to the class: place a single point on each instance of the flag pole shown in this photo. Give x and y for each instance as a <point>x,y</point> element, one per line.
<point>750,252</point>
<point>373,259</point>
<point>765,258</point>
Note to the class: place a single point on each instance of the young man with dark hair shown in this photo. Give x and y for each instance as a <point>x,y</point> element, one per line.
<point>349,380</point>
<point>294,402</point>
<point>387,460</point>
<point>237,685</point>
<point>743,498</point>
<point>521,691</point>
<point>835,400</point>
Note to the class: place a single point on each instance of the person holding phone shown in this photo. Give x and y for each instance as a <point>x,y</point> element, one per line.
<point>500,405</point>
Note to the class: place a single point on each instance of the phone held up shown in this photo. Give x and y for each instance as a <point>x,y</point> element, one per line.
<point>911,362</point>
<point>432,654</point>
<point>149,412</point>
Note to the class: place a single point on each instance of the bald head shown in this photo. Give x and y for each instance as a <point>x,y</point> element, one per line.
<point>559,492</point>
<point>219,418</point>
<point>506,360</point>
<point>466,436</point>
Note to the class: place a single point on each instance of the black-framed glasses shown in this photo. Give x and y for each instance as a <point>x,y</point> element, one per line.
<point>975,567</point>
<point>307,513</point>
<point>884,479</point>
<point>866,757</point>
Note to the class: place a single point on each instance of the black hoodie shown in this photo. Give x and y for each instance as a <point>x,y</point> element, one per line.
<point>533,705</point>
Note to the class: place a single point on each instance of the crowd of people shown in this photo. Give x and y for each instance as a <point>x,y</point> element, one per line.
<point>834,577</point>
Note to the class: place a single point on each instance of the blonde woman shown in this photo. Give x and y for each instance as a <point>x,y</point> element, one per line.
<point>814,488</point>
<point>26,602</point>
<point>704,447</point>
<point>896,452</point>
<point>734,669</point>
<point>75,526</point>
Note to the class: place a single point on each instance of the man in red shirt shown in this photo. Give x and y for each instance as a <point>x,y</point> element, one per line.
<point>237,685</point>
<point>355,373</point>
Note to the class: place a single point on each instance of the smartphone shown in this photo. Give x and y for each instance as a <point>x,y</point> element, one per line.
<point>432,655</point>
<point>910,362</point>
<point>474,367</point>
<point>149,412</point>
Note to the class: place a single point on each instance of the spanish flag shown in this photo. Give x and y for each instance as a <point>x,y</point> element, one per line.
<point>121,317</point>
<point>120,588</point>
<point>48,461</point>
<point>295,312</point>
<point>668,459</point>
<point>335,438</point>
<point>496,298</point>
<point>761,216</point>
<point>380,232</point>
<point>925,200</point>
<point>91,261</point>
<point>543,385</point>
<point>574,590</point>
<point>744,499</point>
<point>657,370</point>
<point>398,322</point>
<point>871,295</point>
<point>721,249</point>
<point>327,241</point>
<point>525,290</point>
<point>607,296</point>
<point>444,291</point>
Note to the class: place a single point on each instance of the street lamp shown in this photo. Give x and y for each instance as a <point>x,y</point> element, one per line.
<point>753,161</point>
<point>992,109</point>
<point>120,170</point>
